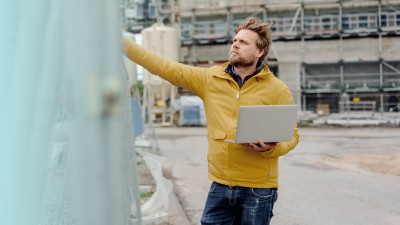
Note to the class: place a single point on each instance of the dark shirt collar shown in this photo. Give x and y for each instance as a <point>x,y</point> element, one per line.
<point>230,69</point>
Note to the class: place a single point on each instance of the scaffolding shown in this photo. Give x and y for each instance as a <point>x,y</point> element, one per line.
<point>322,49</point>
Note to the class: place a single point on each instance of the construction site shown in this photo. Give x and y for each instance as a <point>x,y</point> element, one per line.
<point>340,58</point>
<point>80,146</point>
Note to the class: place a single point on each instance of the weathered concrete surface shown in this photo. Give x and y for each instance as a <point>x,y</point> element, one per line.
<point>334,176</point>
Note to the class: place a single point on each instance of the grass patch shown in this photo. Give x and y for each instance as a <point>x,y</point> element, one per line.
<point>145,196</point>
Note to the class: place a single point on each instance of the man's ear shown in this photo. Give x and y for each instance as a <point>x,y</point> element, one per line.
<point>260,52</point>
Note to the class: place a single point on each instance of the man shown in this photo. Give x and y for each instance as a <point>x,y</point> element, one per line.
<point>245,176</point>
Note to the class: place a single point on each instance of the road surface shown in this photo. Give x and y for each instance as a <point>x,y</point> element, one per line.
<point>347,176</point>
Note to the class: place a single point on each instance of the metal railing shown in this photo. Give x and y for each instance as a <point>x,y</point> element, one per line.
<point>361,109</point>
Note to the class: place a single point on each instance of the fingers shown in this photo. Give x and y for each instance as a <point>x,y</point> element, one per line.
<point>261,146</point>
<point>265,146</point>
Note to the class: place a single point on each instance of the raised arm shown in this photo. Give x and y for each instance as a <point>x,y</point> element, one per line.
<point>189,77</point>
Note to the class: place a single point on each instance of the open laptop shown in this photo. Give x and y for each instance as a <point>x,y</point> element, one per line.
<point>271,123</point>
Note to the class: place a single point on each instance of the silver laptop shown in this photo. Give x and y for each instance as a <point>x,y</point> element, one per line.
<point>270,123</point>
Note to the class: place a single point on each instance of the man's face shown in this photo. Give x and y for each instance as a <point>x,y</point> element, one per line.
<point>244,51</point>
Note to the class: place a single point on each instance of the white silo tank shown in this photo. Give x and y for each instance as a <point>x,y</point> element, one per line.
<point>158,92</point>
<point>164,41</point>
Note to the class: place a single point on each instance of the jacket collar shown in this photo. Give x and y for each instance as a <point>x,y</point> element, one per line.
<point>230,69</point>
<point>221,73</point>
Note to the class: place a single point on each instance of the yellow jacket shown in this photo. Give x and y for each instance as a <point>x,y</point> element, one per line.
<point>228,163</point>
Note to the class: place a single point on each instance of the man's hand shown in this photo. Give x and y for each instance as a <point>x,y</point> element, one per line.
<point>261,146</point>
<point>125,44</point>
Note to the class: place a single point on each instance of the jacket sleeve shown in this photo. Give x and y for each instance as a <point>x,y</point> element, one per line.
<point>283,97</point>
<point>189,77</point>
<point>283,147</point>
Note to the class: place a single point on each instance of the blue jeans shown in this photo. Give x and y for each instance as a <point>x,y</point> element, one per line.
<point>238,205</point>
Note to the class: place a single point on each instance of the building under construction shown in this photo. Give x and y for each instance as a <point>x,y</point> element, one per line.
<point>328,52</point>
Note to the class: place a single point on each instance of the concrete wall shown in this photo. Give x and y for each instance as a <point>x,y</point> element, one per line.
<point>289,72</point>
<point>328,51</point>
<point>205,53</point>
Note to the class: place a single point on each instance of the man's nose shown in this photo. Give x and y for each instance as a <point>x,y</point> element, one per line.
<point>235,45</point>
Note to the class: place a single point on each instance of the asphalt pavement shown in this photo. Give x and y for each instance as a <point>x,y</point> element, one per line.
<point>317,185</point>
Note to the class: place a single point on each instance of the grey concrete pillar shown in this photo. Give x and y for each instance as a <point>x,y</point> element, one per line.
<point>289,72</point>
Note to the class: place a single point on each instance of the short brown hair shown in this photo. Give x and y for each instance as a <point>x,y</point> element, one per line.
<point>262,29</point>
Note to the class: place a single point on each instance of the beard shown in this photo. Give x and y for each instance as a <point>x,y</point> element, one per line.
<point>239,61</point>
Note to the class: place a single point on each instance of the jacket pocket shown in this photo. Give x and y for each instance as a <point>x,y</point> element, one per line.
<point>217,134</point>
